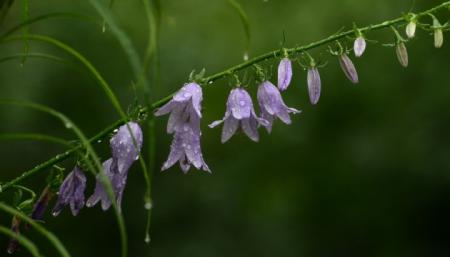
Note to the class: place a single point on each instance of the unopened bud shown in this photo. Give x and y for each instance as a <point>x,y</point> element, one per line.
<point>402,54</point>
<point>411,29</point>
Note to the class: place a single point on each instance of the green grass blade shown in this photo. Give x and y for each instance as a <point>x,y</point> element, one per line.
<point>244,19</point>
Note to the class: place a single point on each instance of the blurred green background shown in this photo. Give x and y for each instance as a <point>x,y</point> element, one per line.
<point>366,172</point>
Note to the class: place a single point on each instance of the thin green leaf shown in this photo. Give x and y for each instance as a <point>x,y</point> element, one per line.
<point>23,241</point>
<point>33,136</point>
<point>28,22</point>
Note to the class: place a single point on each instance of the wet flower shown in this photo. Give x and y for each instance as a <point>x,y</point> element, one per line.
<point>184,123</point>
<point>411,29</point>
<point>125,147</point>
<point>284,74</point>
<point>402,54</point>
<point>240,112</point>
<point>186,149</point>
<point>185,106</point>
<point>272,105</point>
<point>71,192</point>
<point>359,46</point>
<point>118,181</point>
<point>348,67</point>
<point>314,85</point>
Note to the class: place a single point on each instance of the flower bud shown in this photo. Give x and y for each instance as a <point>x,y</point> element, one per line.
<point>411,29</point>
<point>438,34</point>
<point>314,85</point>
<point>402,54</point>
<point>348,68</point>
<point>359,46</point>
<point>438,38</point>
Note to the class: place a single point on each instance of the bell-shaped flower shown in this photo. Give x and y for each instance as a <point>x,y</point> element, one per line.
<point>284,74</point>
<point>402,54</point>
<point>359,46</point>
<point>185,106</point>
<point>240,113</point>
<point>314,85</point>
<point>272,105</point>
<point>186,149</point>
<point>126,146</point>
<point>71,192</point>
<point>117,180</point>
<point>349,68</point>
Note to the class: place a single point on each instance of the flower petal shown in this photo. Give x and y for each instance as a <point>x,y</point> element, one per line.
<point>229,128</point>
<point>314,85</point>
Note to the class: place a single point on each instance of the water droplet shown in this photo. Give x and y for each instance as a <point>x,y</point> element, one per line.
<point>137,158</point>
<point>245,57</point>
<point>185,128</point>
<point>242,103</point>
<point>147,239</point>
<point>186,95</point>
<point>188,146</point>
<point>99,141</point>
<point>115,131</point>
<point>148,205</point>
<point>68,125</point>
<point>210,82</point>
<point>54,213</point>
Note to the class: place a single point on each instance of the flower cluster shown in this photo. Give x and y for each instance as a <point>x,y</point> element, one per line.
<point>184,123</point>
<point>125,149</point>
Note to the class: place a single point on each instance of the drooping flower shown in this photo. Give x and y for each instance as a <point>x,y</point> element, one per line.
<point>13,244</point>
<point>125,148</point>
<point>402,54</point>
<point>284,74</point>
<point>359,46</point>
<point>240,113</point>
<point>349,68</point>
<point>71,192</point>
<point>314,85</point>
<point>41,204</point>
<point>185,106</point>
<point>272,105</point>
<point>411,29</point>
<point>186,149</point>
<point>118,181</point>
<point>184,123</point>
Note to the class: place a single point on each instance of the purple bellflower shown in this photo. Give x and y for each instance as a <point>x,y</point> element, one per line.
<point>272,105</point>
<point>185,106</point>
<point>71,192</point>
<point>314,85</point>
<point>359,46</point>
<point>125,148</point>
<point>284,74</point>
<point>349,68</point>
<point>186,149</point>
<point>240,112</point>
<point>184,123</point>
